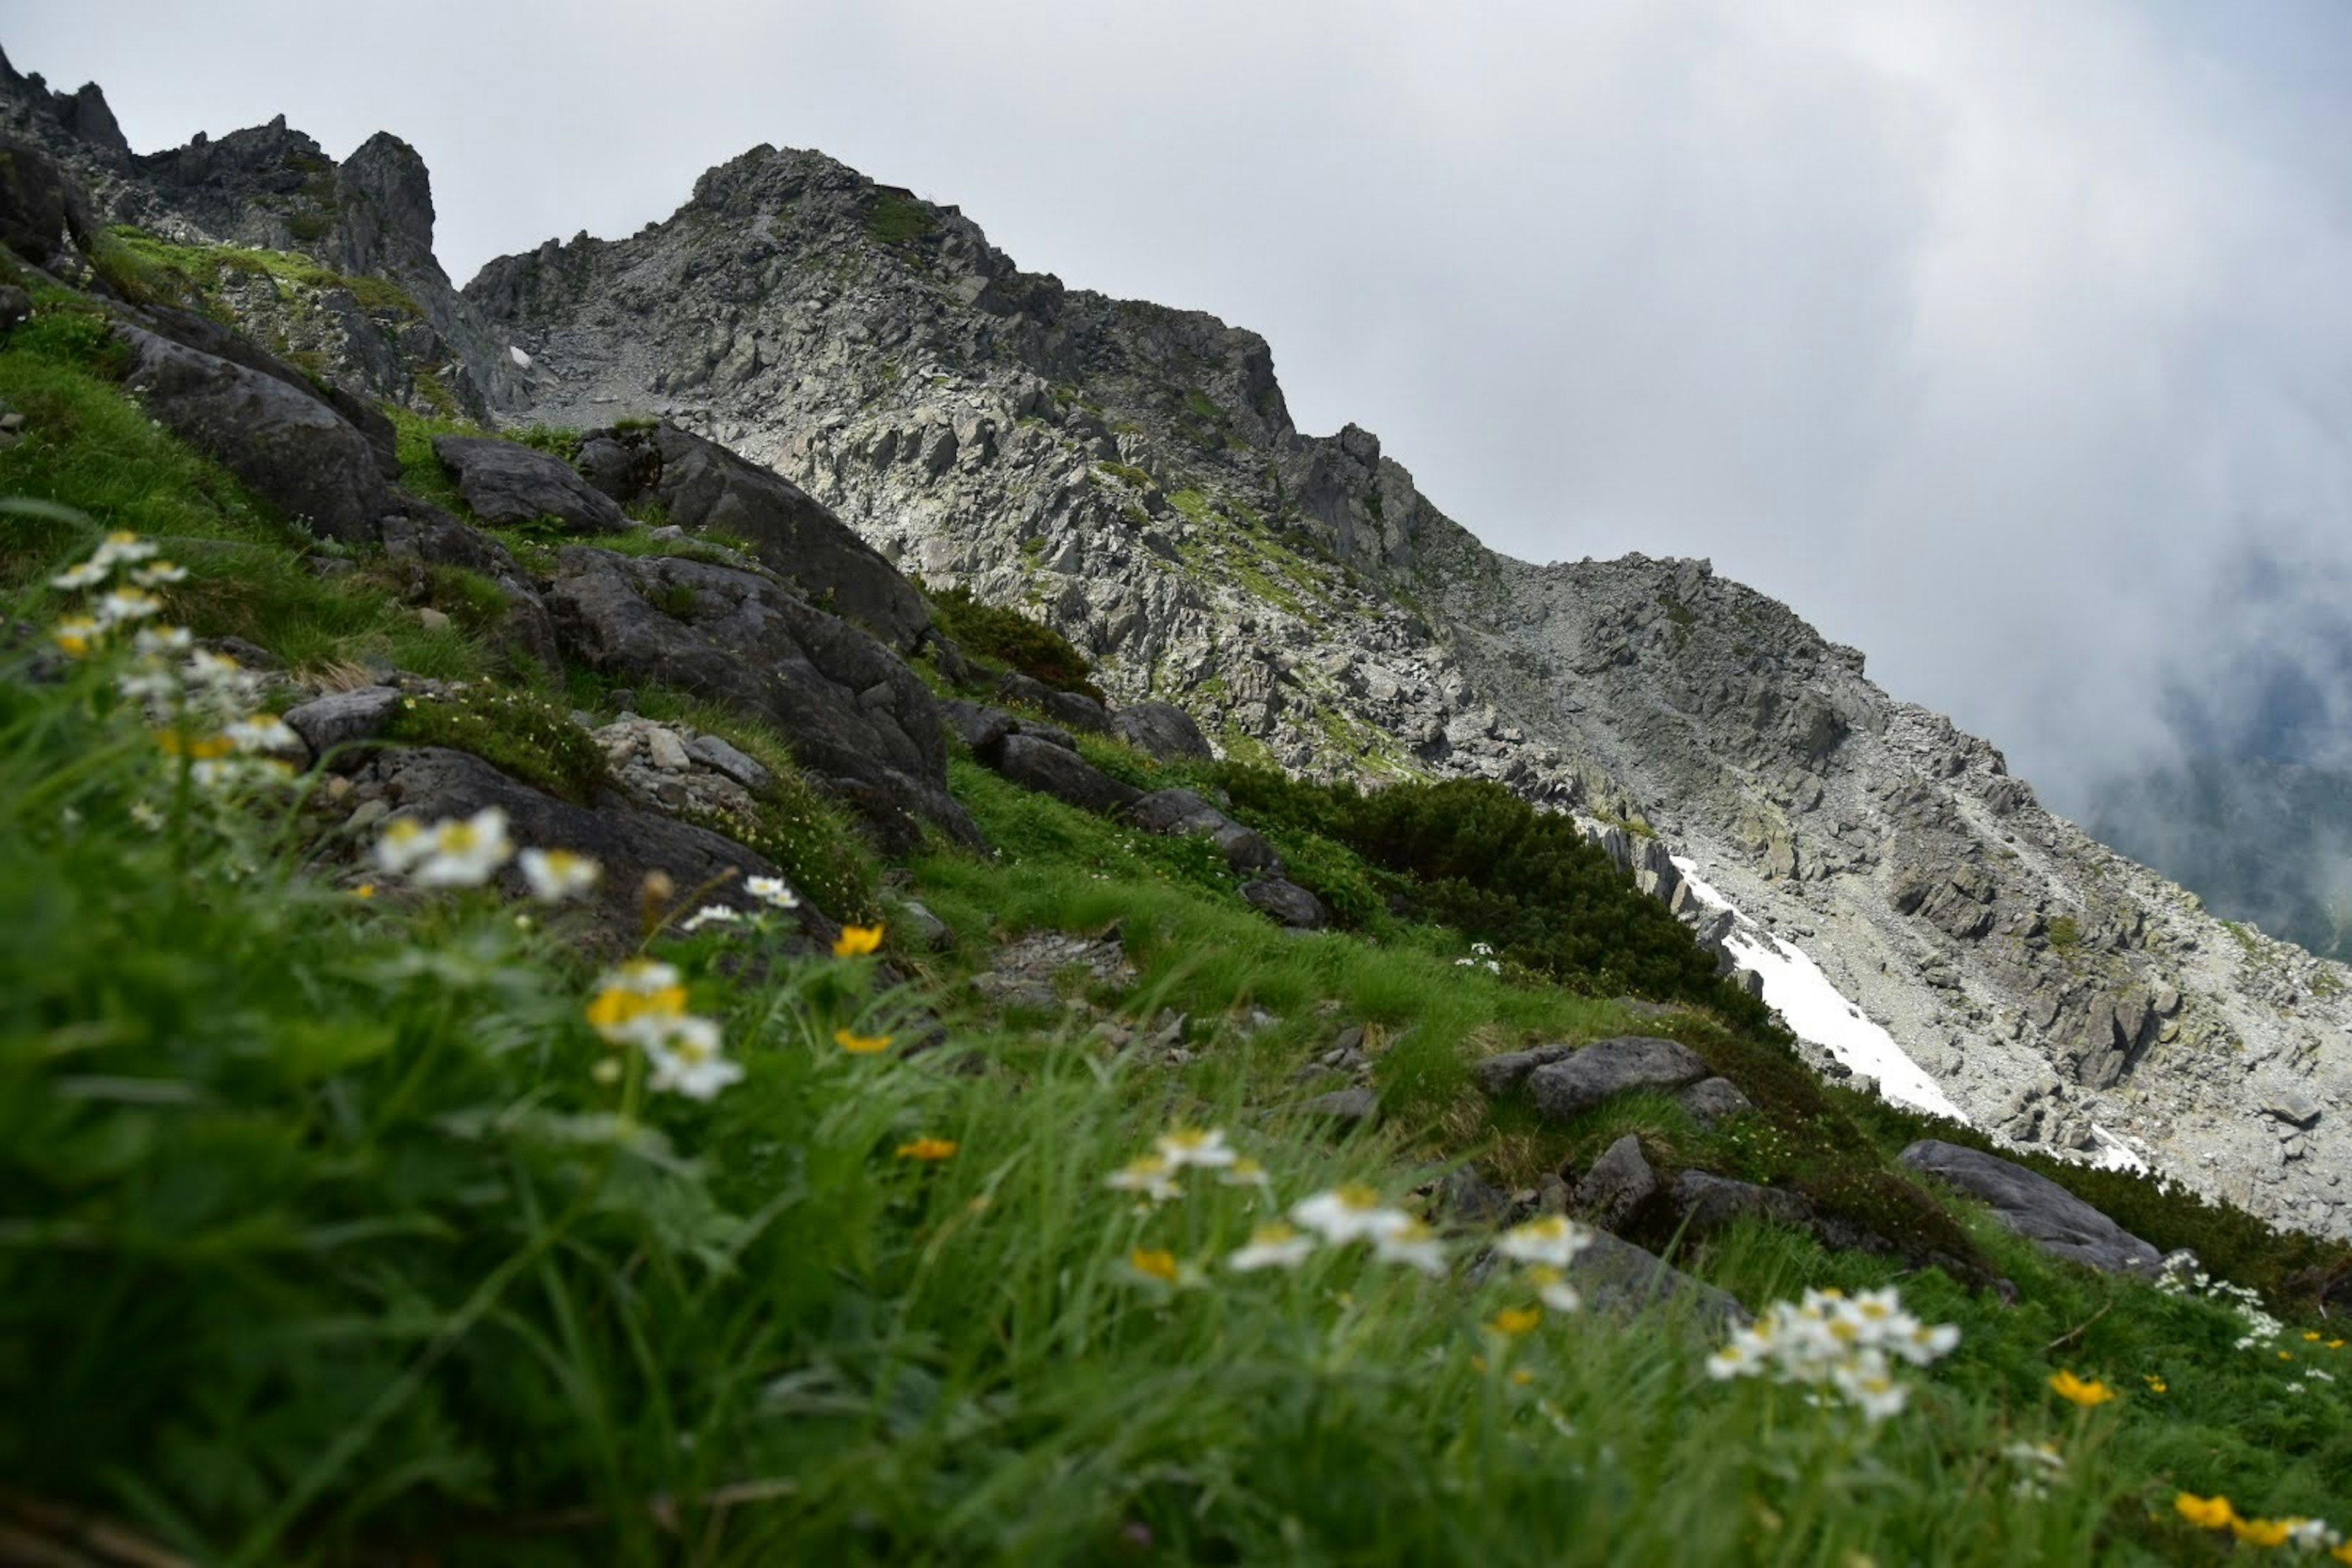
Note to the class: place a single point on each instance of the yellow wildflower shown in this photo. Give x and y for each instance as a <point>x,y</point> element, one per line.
<point>2260,1532</point>
<point>2081,1391</point>
<point>860,1045</point>
<point>1514,1321</point>
<point>2205,1512</point>
<point>76,635</point>
<point>203,748</point>
<point>364,891</point>
<point>857,941</point>
<point>928,1148</point>
<point>2155,1384</point>
<point>2312,1335</point>
<point>1156,1261</point>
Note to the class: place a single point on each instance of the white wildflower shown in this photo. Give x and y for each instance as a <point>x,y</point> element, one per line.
<point>710,915</point>
<point>555,874</point>
<point>772,891</point>
<point>1552,1240</point>
<point>1276,1246</point>
<point>1193,1146</point>
<point>1351,1213</point>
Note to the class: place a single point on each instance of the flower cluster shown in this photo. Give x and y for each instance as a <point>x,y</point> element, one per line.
<point>643,1004</point>
<point>455,852</point>
<point>2297,1534</point>
<point>2260,1328</point>
<point>1339,1217</point>
<point>2040,1466</point>
<point>205,706</point>
<point>1847,1344</point>
<point>126,604</point>
<point>1482,956</point>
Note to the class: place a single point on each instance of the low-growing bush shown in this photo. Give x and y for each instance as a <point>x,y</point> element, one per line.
<point>519,733</point>
<point>1008,638</point>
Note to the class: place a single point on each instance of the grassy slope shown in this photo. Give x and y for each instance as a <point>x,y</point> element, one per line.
<point>347,1246</point>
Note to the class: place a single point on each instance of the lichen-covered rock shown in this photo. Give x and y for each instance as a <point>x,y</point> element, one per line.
<point>289,448</point>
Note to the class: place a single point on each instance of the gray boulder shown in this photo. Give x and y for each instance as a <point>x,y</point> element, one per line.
<point>1615,1275</point>
<point>1708,1203</point>
<point>430,781</point>
<point>507,483</point>
<point>288,447</point>
<point>703,485</point>
<point>1619,1184</point>
<point>1039,764</point>
<point>1174,812</point>
<point>1288,902</point>
<point>2292,1107</point>
<point>1163,730</point>
<point>2036,1207</point>
<point>1608,1068</point>
<point>853,712</point>
<point>977,724</point>
<point>1074,709</point>
<point>1711,1099</point>
<point>1498,1074</point>
<point>344,717</point>
<point>1352,1105</point>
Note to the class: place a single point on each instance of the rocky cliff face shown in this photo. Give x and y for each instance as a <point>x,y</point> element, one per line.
<point>271,188</point>
<point>1132,474</point>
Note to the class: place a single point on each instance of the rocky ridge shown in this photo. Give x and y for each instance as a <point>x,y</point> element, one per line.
<point>1132,474</point>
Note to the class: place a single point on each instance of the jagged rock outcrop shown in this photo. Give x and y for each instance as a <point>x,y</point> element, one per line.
<point>270,187</point>
<point>855,715</point>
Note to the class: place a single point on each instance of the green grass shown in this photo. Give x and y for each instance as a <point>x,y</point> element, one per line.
<point>198,272</point>
<point>89,447</point>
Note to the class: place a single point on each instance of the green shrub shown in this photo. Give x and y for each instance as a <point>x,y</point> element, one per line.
<point>1525,881</point>
<point>2066,933</point>
<point>1009,638</point>
<point>515,731</point>
<point>899,221</point>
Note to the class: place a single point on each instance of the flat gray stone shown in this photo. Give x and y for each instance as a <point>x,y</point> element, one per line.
<point>2036,1207</point>
<point>507,483</point>
<point>721,756</point>
<point>1610,1068</point>
<point>1163,730</point>
<point>342,718</point>
<point>1183,812</point>
<point>2293,1107</point>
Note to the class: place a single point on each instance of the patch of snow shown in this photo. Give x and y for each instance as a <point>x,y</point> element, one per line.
<point>2113,1153</point>
<point>1818,1012</point>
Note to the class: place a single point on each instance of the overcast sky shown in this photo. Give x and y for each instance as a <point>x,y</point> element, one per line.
<point>2007,340</point>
